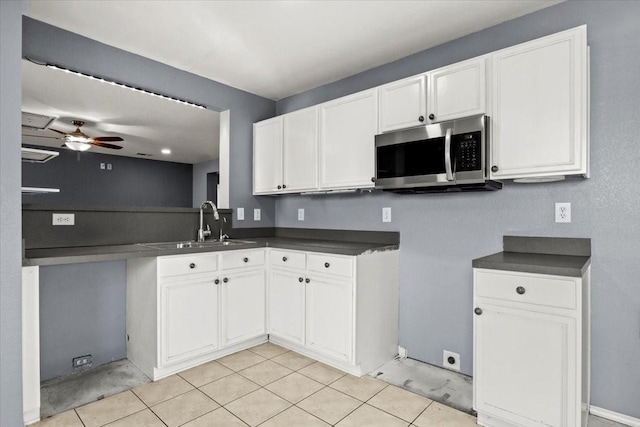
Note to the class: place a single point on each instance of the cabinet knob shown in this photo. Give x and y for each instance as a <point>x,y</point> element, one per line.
<point>284,186</point>
<point>225,280</point>
<point>326,265</point>
<point>217,281</point>
<point>279,187</point>
<point>373,179</point>
<point>284,259</point>
<point>192,265</point>
<point>421,119</point>
<point>432,116</point>
<point>478,311</point>
<point>520,290</point>
<point>300,279</point>
<point>494,169</point>
<point>246,259</point>
<point>307,280</point>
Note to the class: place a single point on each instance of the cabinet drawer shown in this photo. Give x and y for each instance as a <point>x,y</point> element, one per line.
<point>530,289</point>
<point>237,259</point>
<point>328,264</point>
<point>187,264</point>
<point>289,259</point>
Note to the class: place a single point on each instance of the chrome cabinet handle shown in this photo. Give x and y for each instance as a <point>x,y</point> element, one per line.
<point>217,281</point>
<point>246,259</point>
<point>447,155</point>
<point>192,265</point>
<point>225,280</point>
<point>326,265</point>
<point>307,280</point>
<point>478,311</point>
<point>300,279</point>
<point>421,119</point>
<point>520,290</point>
<point>432,116</point>
<point>494,169</point>
<point>284,259</point>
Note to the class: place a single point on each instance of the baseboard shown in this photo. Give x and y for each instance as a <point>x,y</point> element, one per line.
<point>614,416</point>
<point>31,416</point>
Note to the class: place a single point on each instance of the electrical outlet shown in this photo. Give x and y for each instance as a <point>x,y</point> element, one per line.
<point>63,219</point>
<point>82,361</point>
<point>300,214</point>
<point>102,166</point>
<point>451,360</point>
<point>240,214</point>
<point>386,214</point>
<point>563,212</point>
<point>109,167</point>
<point>256,214</point>
<point>402,353</point>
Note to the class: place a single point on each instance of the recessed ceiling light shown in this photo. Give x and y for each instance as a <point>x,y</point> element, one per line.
<point>166,151</point>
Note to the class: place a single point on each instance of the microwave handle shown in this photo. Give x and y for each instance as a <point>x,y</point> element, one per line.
<point>447,155</point>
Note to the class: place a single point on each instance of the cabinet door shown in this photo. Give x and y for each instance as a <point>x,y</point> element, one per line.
<point>403,104</point>
<point>458,91</point>
<point>243,306</point>
<point>287,302</point>
<point>267,156</point>
<point>347,141</point>
<point>525,366</point>
<point>300,150</point>
<point>189,319</point>
<point>540,97</point>
<point>330,321</point>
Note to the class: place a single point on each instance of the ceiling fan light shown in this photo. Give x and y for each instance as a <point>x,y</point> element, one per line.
<point>77,145</point>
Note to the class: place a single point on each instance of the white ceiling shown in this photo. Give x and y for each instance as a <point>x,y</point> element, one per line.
<point>278,48</point>
<point>146,123</point>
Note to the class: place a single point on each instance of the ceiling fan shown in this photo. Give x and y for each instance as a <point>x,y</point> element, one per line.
<point>79,141</point>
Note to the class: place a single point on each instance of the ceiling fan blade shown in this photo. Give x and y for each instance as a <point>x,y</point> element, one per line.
<point>42,136</point>
<point>103,145</point>
<point>108,139</point>
<point>56,130</point>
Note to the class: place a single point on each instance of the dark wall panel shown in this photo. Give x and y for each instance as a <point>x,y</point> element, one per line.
<point>130,182</point>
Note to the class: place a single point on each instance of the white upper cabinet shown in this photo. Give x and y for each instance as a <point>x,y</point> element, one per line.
<point>267,156</point>
<point>540,108</point>
<point>347,141</point>
<point>458,91</point>
<point>403,104</point>
<point>300,150</point>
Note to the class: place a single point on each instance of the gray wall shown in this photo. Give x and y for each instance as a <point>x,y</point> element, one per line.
<point>76,317</point>
<point>10,223</point>
<point>130,182</point>
<point>200,171</point>
<point>441,234</point>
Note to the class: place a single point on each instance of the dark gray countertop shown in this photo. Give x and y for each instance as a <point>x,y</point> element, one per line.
<point>557,265</point>
<point>73,255</point>
<point>542,255</point>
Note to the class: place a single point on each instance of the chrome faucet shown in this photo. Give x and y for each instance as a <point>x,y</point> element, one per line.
<point>202,233</point>
<point>223,236</point>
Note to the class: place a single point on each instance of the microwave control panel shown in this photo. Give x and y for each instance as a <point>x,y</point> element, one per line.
<point>468,151</point>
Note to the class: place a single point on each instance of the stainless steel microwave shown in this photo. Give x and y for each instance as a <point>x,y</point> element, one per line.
<point>443,157</point>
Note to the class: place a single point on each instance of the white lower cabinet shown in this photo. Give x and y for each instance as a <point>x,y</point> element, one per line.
<point>530,349</point>
<point>243,306</point>
<point>342,310</point>
<point>188,319</point>
<point>182,312</point>
<point>330,317</point>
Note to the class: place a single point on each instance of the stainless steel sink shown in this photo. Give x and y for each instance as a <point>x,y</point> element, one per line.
<point>196,245</point>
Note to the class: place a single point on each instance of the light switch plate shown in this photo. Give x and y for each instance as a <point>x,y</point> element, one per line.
<point>256,214</point>
<point>63,219</point>
<point>301,214</point>
<point>386,214</point>
<point>240,214</point>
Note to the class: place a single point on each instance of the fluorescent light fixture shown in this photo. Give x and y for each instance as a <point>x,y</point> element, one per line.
<point>166,151</point>
<point>135,89</point>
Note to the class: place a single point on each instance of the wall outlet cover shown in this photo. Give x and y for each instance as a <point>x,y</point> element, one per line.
<point>240,214</point>
<point>63,219</point>
<point>256,214</point>
<point>386,214</point>
<point>451,360</point>
<point>301,214</point>
<point>563,212</point>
